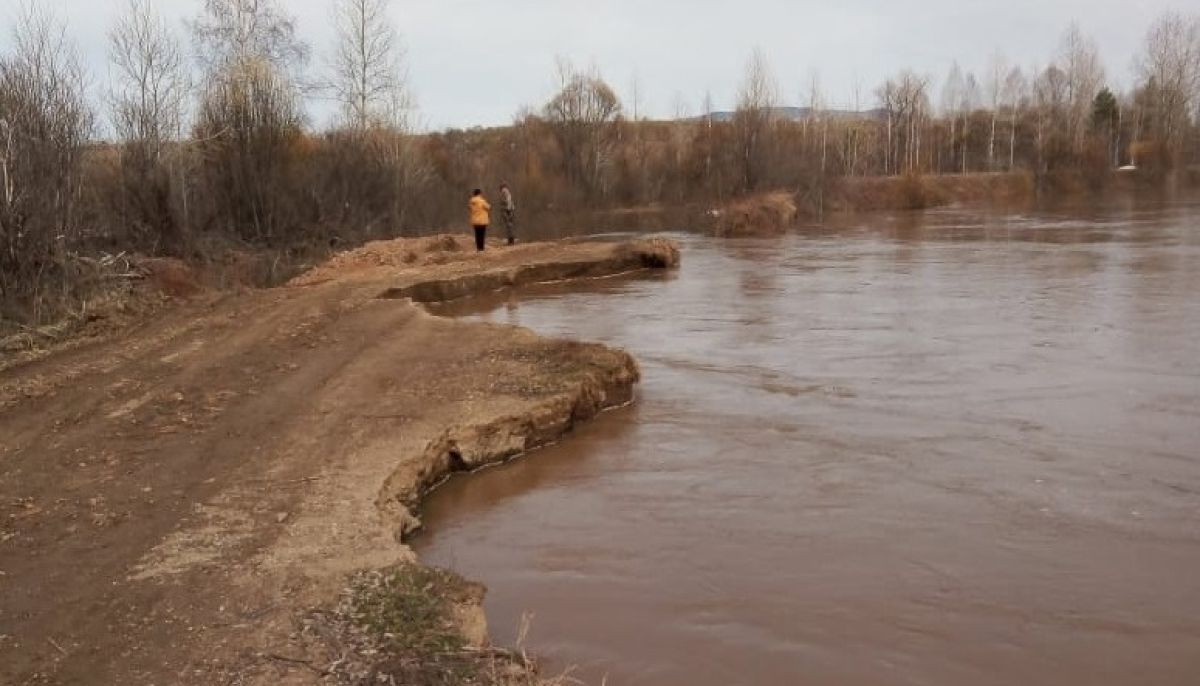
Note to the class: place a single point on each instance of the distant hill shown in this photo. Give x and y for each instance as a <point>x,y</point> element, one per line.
<point>802,114</point>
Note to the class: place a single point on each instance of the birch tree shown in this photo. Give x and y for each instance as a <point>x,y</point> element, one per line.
<point>996,75</point>
<point>905,101</point>
<point>1015,93</point>
<point>368,65</point>
<point>967,104</point>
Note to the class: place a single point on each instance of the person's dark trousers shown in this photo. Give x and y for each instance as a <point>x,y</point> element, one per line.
<point>480,237</point>
<point>510,224</point>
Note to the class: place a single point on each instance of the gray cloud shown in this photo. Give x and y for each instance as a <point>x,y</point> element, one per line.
<point>475,62</point>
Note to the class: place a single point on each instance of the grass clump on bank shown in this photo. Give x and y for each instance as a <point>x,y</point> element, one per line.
<point>408,609</point>
<point>408,625</point>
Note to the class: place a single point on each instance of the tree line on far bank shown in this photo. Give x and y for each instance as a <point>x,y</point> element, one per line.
<point>213,152</point>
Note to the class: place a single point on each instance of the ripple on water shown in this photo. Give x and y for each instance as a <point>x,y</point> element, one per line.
<point>961,452</point>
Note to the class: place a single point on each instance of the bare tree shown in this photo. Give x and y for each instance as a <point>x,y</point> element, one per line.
<point>1015,93</point>
<point>817,112</point>
<point>641,149</point>
<point>368,65</point>
<point>967,104</point>
<point>709,139</point>
<point>1079,60</point>
<point>1051,98</point>
<point>45,121</point>
<point>1170,67</point>
<point>753,119</point>
<point>148,99</point>
<point>150,89</point>
<point>952,91</point>
<point>583,116</point>
<point>236,31</point>
<point>905,102</point>
<point>996,75</point>
<point>373,169</point>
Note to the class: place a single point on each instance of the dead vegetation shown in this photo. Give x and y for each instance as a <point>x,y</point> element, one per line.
<point>396,253</point>
<point>916,191</point>
<point>404,625</point>
<point>766,214</point>
<point>117,295</point>
<point>652,253</point>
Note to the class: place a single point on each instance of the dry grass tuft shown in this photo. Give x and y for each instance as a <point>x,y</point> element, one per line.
<point>768,214</point>
<point>400,252</point>
<point>402,625</point>
<point>654,253</point>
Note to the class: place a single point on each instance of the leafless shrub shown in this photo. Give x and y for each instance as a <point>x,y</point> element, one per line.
<point>148,99</point>
<point>367,184</point>
<point>45,122</point>
<point>248,128</point>
<point>247,135</point>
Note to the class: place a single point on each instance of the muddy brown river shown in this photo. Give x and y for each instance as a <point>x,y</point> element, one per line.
<point>944,448</point>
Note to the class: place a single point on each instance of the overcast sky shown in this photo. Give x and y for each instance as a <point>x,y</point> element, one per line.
<point>476,62</point>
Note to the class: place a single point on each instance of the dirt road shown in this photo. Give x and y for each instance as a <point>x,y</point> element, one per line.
<point>172,497</point>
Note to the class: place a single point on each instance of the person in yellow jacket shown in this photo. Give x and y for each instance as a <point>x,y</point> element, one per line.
<point>480,217</point>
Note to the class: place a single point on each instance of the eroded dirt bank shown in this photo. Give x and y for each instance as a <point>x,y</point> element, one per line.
<point>172,499</point>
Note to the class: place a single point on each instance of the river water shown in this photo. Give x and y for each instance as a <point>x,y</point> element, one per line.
<point>939,448</point>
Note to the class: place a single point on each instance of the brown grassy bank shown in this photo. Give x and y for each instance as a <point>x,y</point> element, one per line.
<point>923,191</point>
<point>773,213</point>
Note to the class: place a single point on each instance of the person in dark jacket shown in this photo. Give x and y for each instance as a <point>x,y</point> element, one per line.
<point>510,213</point>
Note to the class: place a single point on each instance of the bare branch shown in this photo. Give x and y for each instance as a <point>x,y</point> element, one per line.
<point>150,89</point>
<point>367,65</point>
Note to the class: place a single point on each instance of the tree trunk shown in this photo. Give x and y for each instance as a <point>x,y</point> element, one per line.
<point>992,145</point>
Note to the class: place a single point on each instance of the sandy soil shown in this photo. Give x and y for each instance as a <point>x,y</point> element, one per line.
<point>172,497</point>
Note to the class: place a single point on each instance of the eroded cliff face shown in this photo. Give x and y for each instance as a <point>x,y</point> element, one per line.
<point>205,481</point>
<point>581,382</point>
<point>620,259</point>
